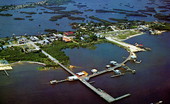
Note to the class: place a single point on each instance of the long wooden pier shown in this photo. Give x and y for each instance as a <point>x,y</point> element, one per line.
<point>100,92</point>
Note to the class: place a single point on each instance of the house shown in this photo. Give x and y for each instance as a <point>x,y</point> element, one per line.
<point>66,39</point>
<point>82,38</point>
<point>99,36</point>
<point>44,42</point>
<point>34,38</point>
<point>68,33</point>
<point>22,40</point>
<point>72,78</point>
<point>4,47</point>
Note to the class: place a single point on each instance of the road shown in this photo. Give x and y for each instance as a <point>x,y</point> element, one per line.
<point>132,48</point>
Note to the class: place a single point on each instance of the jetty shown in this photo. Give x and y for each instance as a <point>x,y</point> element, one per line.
<point>84,80</point>
<point>99,92</point>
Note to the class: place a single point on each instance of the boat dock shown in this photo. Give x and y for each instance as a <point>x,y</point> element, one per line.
<point>58,81</point>
<point>113,68</point>
<point>101,93</point>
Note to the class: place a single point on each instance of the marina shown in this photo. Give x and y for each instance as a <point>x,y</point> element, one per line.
<point>101,93</point>
<point>117,54</point>
<point>127,83</point>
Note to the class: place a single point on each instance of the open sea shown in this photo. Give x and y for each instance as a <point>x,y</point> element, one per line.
<point>28,85</point>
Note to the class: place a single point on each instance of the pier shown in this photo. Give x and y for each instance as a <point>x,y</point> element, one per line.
<point>103,94</point>
<point>99,92</point>
<point>113,68</point>
<point>130,48</point>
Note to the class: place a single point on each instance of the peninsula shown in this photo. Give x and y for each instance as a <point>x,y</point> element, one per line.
<point>48,48</point>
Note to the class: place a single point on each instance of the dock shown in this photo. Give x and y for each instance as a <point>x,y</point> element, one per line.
<point>101,93</point>
<point>58,81</point>
<point>113,68</point>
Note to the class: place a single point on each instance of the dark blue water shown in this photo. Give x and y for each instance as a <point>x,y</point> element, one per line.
<point>97,58</point>
<point>41,21</point>
<point>27,85</point>
<point>149,84</point>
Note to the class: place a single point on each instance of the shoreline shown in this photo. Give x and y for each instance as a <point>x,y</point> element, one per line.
<point>132,36</point>
<point>31,62</point>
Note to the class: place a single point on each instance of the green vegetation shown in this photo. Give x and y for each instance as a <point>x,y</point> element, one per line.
<point>15,54</point>
<point>160,26</point>
<point>55,18</point>
<point>58,2</point>
<point>19,18</point>
<point>76,18</point>
<point>126,34</point>
<point>161,16</point>
<point>55,50</point>
<point>5,14</point>
<point>101,20</point>
<point>28,12</point>
<point>118,20</point>
<point>50,30</point>
<point>120,34</point>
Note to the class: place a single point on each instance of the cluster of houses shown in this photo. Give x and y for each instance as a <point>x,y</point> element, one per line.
<point>47,39</point>
<point>41,39</point>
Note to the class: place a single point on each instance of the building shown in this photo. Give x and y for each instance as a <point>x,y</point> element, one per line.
<point>72,78</point>
<point>22,40</point>
<point>34,38</point>
<point>113,63</point>
<point>68,33</point>
<point>80,74</point>
<point>66,39</point>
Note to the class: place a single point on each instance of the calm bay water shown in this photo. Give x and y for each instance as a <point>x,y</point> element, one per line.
<point>41,21</point>
<point>27,85</point>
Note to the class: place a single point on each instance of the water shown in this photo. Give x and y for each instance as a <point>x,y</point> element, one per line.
<point>27,85</point>
<point>98,58</point>
<point>16,2</point>
<point>41,21</point>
